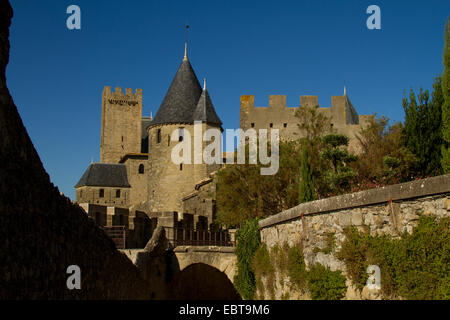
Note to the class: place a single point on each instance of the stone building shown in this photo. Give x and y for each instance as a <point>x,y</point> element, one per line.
<point>343,116</point>
<point>104,184</point>
<point>136,173</point>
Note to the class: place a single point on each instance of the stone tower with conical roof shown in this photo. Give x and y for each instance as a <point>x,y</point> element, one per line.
<point>185,103</point>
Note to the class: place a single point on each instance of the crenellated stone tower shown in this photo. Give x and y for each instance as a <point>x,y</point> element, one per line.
<point>121,128</point>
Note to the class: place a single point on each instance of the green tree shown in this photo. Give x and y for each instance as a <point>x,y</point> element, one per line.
<point>306,188</point>
<point>383,159</point>
<point>422,133</point>
<point>243,193</point>
<point>313,125</point>
<point>336,153</point>
<point>445,162</point>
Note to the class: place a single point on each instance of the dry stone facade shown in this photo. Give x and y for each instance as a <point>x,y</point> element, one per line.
<point>390,210</point>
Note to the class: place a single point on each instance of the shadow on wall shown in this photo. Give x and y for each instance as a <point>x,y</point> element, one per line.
<point>42,233</point>
<point>202,282</point>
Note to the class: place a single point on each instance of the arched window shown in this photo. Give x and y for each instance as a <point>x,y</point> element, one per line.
<point>118,193</point>
<point>158,136</point>
<point>101,193</point>
<point>141,168</point>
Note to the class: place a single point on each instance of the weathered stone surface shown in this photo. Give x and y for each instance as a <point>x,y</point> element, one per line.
<point>409,190</point>
<point>221,258</point>
<point>382,218</point>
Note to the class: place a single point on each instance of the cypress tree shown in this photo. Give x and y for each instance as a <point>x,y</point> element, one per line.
<point>306,188</point>
<point>445,162</point>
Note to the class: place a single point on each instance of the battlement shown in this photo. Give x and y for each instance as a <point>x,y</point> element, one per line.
<point>119,95</point>
<point>277,101</point>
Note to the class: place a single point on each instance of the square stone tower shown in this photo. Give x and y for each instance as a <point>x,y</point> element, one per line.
<point>121,128</point>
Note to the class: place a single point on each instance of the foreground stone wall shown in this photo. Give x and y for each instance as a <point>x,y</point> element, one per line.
<point>390,210</point>
<point>42,232</point>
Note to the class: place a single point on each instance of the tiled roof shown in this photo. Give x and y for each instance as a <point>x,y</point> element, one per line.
<point>104,175</point>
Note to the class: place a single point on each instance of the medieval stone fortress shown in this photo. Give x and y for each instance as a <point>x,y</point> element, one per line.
<point>137,186</point>
<point>146,227</point>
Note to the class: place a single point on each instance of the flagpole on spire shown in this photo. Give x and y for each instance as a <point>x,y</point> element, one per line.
<point>185,42</point>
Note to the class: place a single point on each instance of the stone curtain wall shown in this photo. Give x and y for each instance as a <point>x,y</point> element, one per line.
<point>310,223</point>
<point>41,231</point>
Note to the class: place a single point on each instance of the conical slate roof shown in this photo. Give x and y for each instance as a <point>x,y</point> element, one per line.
<point>181,98</point>
<point>205,110</point>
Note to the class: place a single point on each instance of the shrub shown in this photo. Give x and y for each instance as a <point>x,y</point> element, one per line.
<point>414,266</point>
<point>248,241</point>
<point>296,268</point>
<point>262,266</point>
<point>324,284</point>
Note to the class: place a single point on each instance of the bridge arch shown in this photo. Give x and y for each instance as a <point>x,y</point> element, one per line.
<point>220,258</point>
<point>166,268</point>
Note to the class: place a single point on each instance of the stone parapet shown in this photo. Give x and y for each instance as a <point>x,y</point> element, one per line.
<point>409,190</point>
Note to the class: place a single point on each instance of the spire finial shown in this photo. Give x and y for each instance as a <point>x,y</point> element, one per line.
<point>185,42</point>
<point>345,90</point>
<point>204,83</point>
<point>151,115</point>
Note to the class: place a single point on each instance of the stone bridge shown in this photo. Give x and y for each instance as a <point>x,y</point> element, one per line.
<point>180,271</point>
<point>220,258</point>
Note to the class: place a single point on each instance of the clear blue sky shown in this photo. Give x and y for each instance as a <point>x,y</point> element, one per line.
<point>56,76</point>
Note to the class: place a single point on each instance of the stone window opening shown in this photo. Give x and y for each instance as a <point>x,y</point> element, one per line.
<point>271,125</point>
<point>285,125</point>
<point>253,125</point>
<point>181,167</point>
<point>141,169</point>
<point>118,193</point>
<point>158,136</point>
<point>168,140</point>
<point>101,193</point>
<point>180,134</point>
